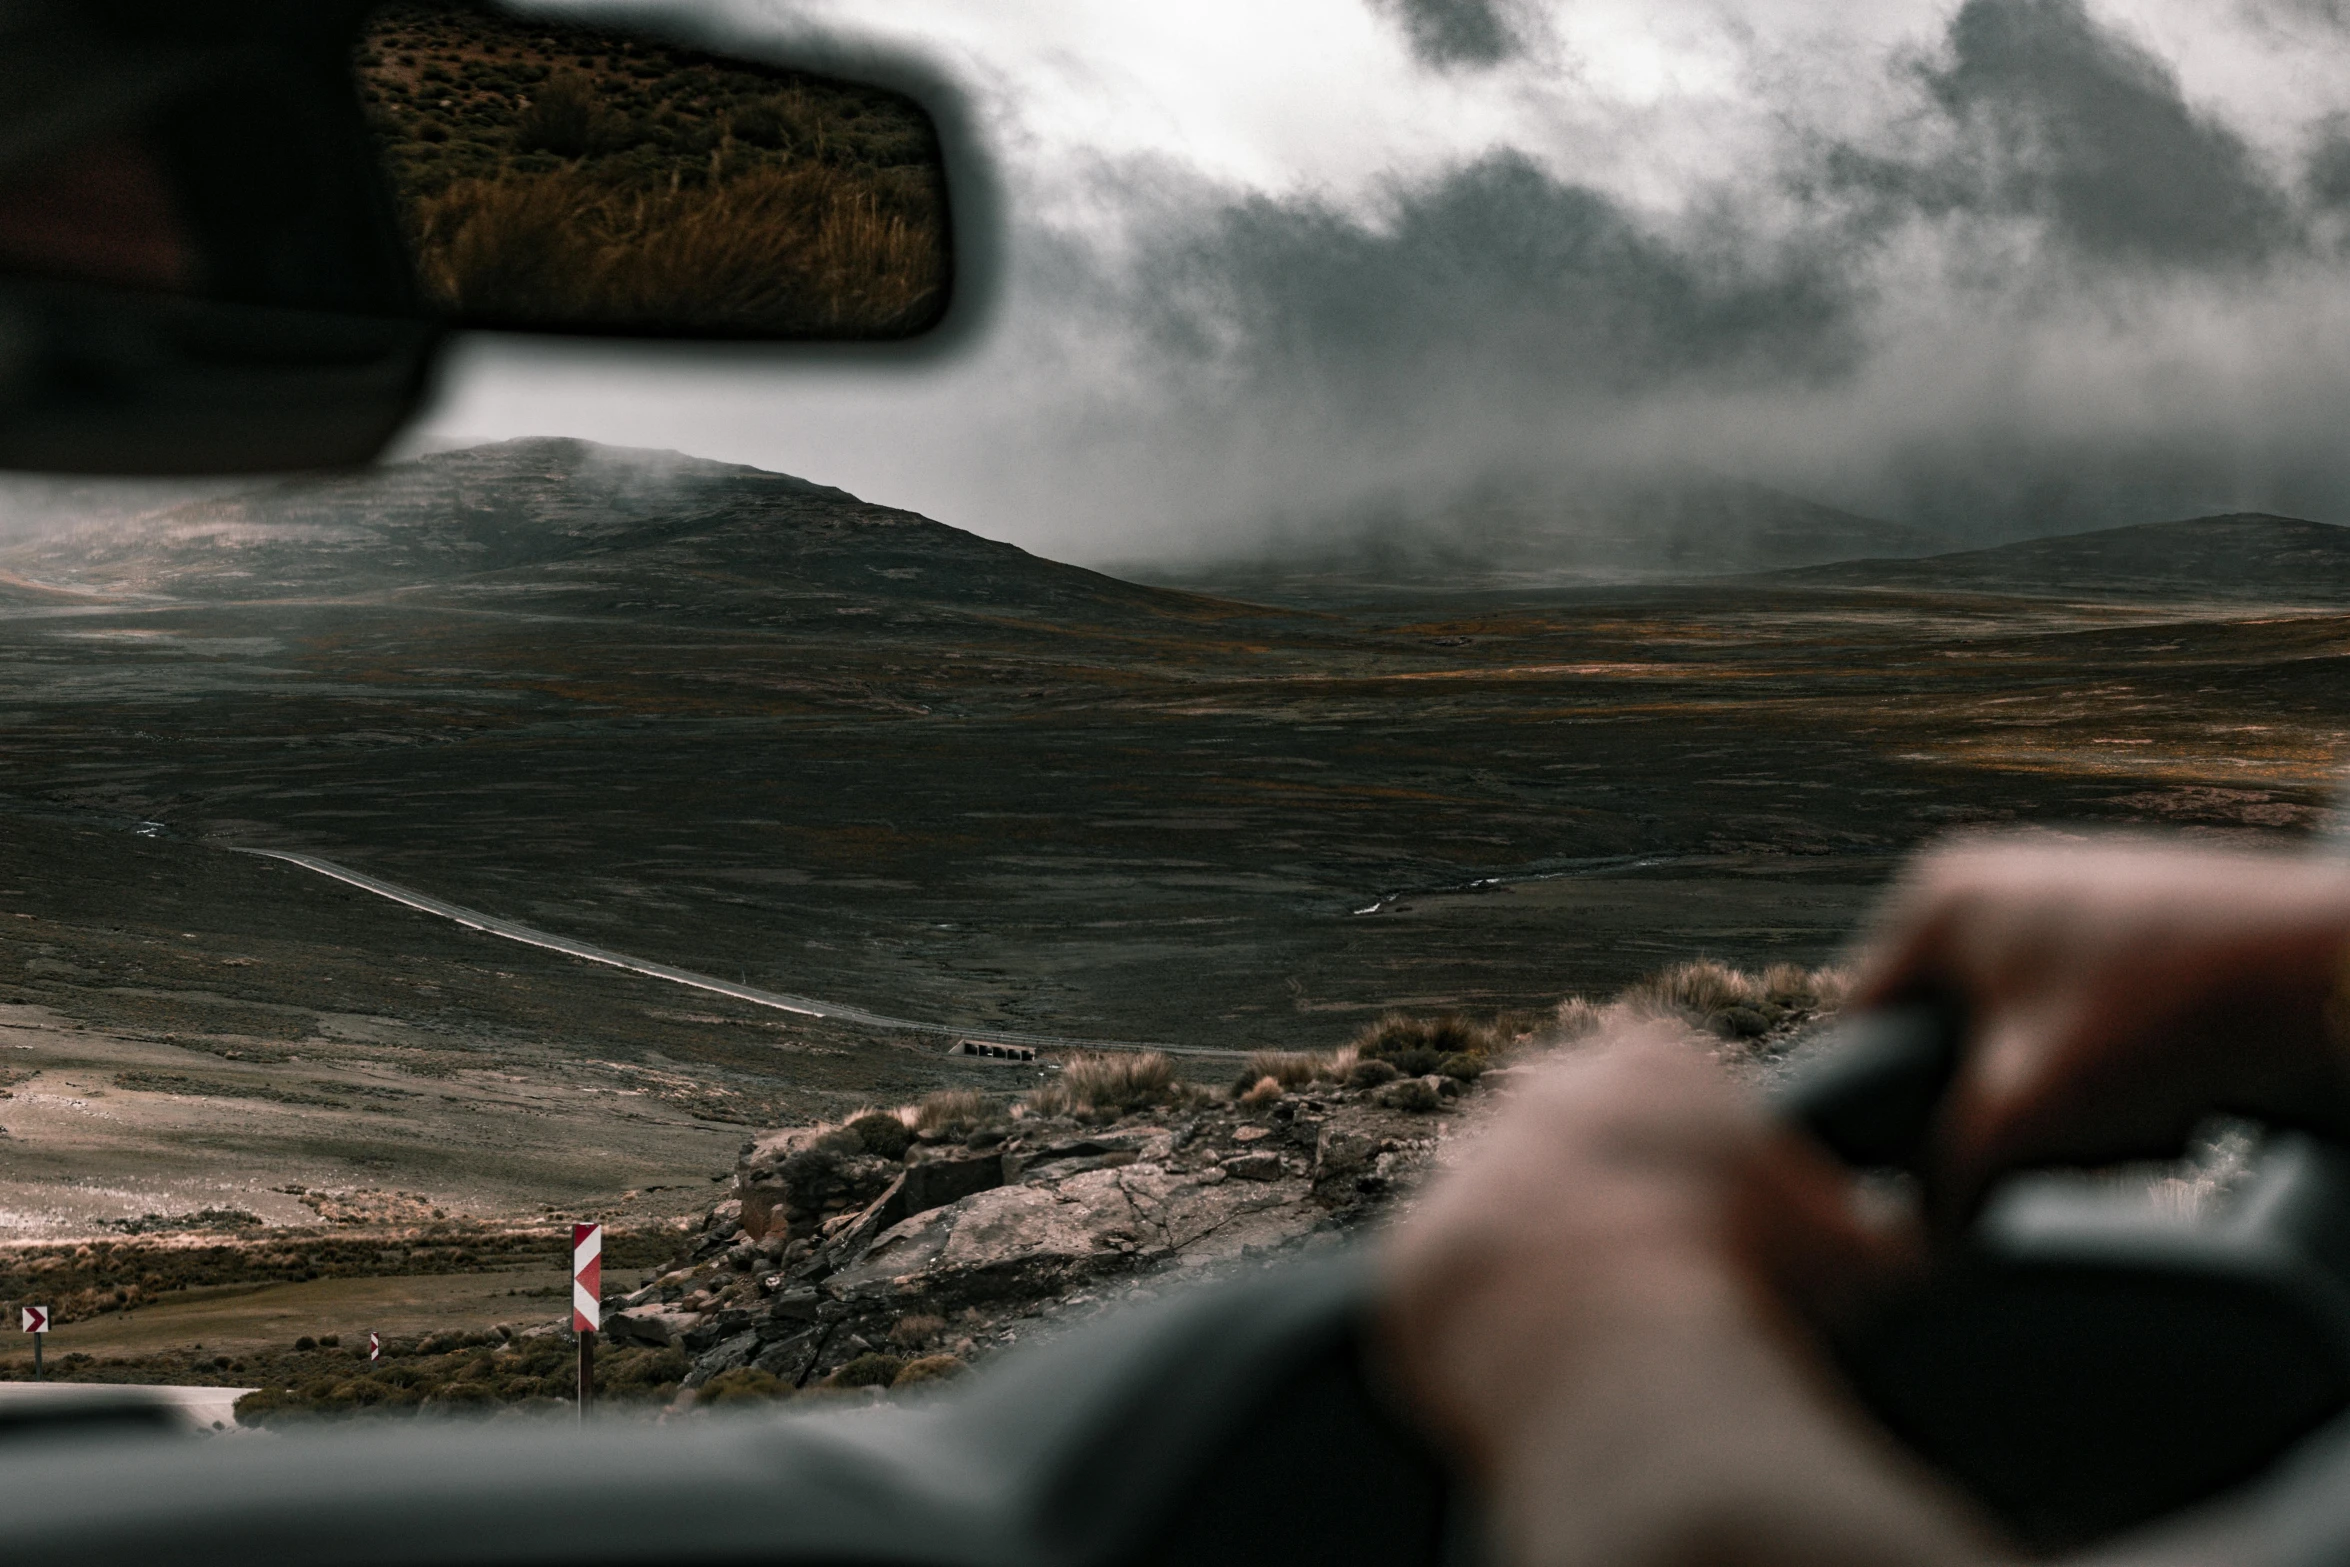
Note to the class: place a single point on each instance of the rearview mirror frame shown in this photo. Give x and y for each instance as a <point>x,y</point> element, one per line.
<point>104,379</point>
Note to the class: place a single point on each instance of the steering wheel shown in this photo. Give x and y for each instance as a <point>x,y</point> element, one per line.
<point>2090,1359</point>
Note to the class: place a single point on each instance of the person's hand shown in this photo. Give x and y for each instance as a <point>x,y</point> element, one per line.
<point>2115,991</point>
<point>1608,1313</point>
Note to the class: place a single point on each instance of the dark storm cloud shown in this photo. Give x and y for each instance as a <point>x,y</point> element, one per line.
<point>1446,33</point>
<point>2048,180</point>
<point>2054,118</point>
<point>2030,114</point>
<point>1500,271</point>
<point>2326,175</point>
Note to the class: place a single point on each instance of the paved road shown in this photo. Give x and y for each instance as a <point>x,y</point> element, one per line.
<point>200,1408</point>
<point>806,1006</point>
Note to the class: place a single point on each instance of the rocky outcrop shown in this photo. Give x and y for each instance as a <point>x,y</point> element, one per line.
<point>832,1250</point>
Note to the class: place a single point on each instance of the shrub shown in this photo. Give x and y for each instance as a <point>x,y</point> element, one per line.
<point>1418,1046</point>
<point>1371,1074</point>
<point>952,1110</point>
<point>917,1329</point>
<point>930,1368</point>
<point>871,1369</point>
<point>1418,1095</point>
<point>564,117</point>
<point>881,1134</point>
<point>1694,991</point>
<point>642,1368</point>
<point>742,1385</point>
<point>1262,1092</point>
<point>1289,1068</point>
<point>1732,1003</point>
<point>1727,1002</point>
<point>1577,1018</point>
<point>305,1342</point>
<point>765,122</point>
<point>1110,1085</point>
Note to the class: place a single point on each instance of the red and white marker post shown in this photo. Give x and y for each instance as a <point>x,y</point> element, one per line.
<point>587,1303</point>
<point>375,1348</point>
<point>35,1320</point>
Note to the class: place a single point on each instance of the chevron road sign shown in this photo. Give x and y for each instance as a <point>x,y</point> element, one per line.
<point>587,1306</point>
<point>587,1277</point>
<point>35,1320</point>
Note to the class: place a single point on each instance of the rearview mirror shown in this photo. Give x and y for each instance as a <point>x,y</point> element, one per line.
<point>233,232</point>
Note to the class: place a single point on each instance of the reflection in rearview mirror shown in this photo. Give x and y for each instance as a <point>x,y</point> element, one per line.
<point>555,177</point>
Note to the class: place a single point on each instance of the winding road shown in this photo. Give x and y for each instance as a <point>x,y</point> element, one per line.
<point>806,1006</point>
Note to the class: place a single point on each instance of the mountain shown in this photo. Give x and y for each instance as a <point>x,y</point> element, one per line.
<point>1530,536</point>
<point>578,525</point>
<point>2243,555</point>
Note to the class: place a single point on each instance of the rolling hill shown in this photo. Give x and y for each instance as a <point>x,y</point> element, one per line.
<point>576,526</point>
<point>2242,555</point>
<point>1529,536</point>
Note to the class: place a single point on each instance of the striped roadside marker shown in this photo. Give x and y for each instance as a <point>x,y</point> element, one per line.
<point>375,1347</point>
<point>36,1322</point>
<point>587,1277</point>
<point>587,1303</point>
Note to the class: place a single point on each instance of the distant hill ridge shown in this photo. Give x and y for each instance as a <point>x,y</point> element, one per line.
<point>593,526</point>
<point>1553,533</point>
<point>2236,555</point>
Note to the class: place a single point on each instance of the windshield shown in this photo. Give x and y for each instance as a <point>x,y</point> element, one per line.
<point>1466,521</point>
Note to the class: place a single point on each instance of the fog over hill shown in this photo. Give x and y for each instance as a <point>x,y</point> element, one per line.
<point>1527,535</point>
<point>571,522</point>
<point>2243,555</point>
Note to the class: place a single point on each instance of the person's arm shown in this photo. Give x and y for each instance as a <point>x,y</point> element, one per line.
<point>1608,1312</point>
<point>2116,990</point>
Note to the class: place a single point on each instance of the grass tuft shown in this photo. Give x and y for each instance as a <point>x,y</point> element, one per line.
<point>872,1369</point>
<point>930,1368</point>
<point>1713,997</point>
<point>952,1110</point>
<point>1110,1085</point>
<point>1423,1046</point>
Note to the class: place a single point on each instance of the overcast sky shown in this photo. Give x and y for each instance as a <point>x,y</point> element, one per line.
<point>1994,267</point>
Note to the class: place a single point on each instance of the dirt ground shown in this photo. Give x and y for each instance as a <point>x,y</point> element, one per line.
<point>1214,838</point>
<point>240,1319</point>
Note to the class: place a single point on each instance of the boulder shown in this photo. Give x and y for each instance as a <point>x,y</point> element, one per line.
<point>935,1182</point>
<point>712,1329</point>
<point>1016,1238</point>
<point>653,1328</point>
<point>790,1184</point>
<point>798,1303</point>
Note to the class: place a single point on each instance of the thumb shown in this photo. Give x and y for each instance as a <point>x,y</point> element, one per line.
<point>1989,1117</point>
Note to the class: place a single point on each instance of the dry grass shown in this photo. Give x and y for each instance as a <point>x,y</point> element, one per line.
<point>803,250</point>
<point>920,1328</point>
<point>1111,1085</point>
<point>1291,1068</point>
<point>1418,1046</point>
<point>1727,1002</point>
<point>950,1110</point>
<point>930,1368</point>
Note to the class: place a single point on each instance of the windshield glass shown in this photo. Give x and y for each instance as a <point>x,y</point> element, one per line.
<point>1466,521</point>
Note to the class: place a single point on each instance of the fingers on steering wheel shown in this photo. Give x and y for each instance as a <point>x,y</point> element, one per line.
<point>1907,949</point>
